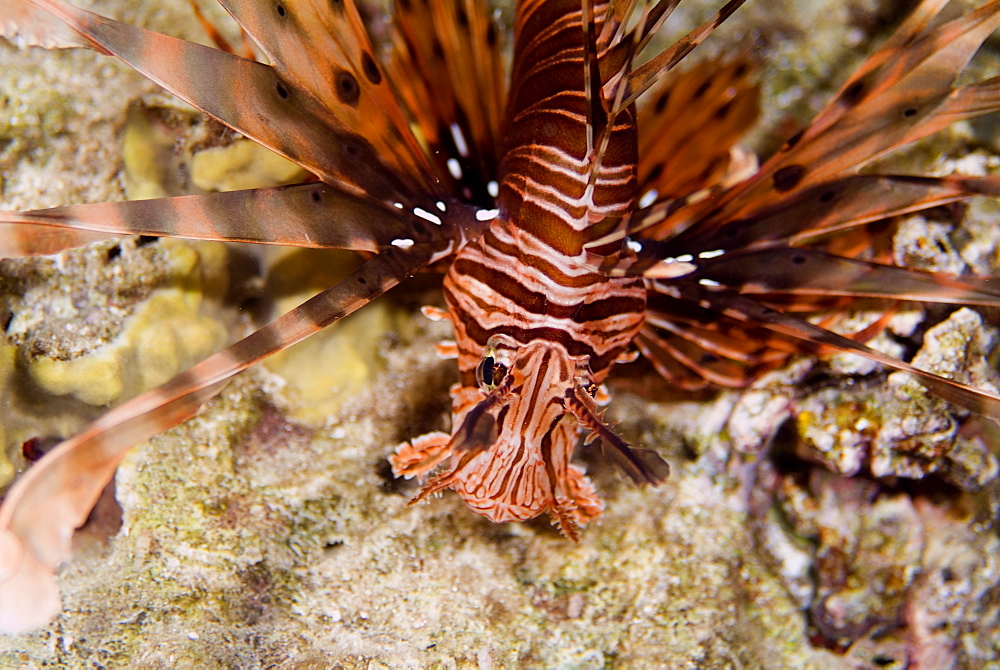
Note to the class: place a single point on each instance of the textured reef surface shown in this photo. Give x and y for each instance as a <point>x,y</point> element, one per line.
<point>830,516</point>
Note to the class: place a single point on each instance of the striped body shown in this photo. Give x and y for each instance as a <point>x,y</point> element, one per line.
<point>524,296</point>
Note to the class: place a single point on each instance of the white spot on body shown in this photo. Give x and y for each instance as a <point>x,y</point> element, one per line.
<point>402,243</point>
<point>427,216</point>
<point>454,168</point>
<point>486,214</point>
<point>711,254</point>
<point>648,198</point>
<point>493,188</point>
<point>709,282</point>
<point>460,144</point>
<point>634,246</point>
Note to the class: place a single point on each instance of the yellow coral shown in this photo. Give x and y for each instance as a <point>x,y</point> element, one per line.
<point>242,164</point>
<point>8,355</point>
<point>333,365</point>
<point>165,334</point>
<point>148,153</point>
<point>330,367</point>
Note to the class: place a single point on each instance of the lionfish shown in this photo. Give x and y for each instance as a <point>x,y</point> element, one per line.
<point>575,227</point>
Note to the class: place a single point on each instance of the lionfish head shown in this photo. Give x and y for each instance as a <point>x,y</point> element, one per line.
<point>516,433</point>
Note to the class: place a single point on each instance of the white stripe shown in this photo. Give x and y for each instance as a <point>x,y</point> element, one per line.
<point>460,144</point>
<point>424,214</point>
<point>586,200</point>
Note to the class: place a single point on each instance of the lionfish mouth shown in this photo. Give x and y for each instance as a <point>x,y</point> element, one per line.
<point>506,476</point>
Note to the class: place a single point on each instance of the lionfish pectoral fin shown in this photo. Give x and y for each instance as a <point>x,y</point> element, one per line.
<point>836,206</point>
<point>826,208</point>
<point>453,84</point>
<point>900,94</point>
<point>315,215</point>
<point>250,97</point>
<point>417,457</point>
<point>965,102</point>
<point>673,161</point>
<point>976,400</point>
<point>791,271</point>
<point>212,30</point>
<point>19,238</point>
<point>910,77</point>
<point>55,496</point>
<point>323,49</point>
<point>44,506</point>
<point>688,363</point>
<point>29,596</point>
<point>30,24</point>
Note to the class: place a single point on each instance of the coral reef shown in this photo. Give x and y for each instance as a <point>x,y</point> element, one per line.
<point>268,532</point>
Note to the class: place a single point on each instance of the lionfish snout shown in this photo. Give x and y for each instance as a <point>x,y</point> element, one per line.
<point>509,453</point>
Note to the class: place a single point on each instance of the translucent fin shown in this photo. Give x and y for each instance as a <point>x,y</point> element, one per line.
<point>710,100</point>
<point>821,210</point>
<point>322,49</point>
<point>811,272</point>
<point>645,76</point>
<point>312,215</point>
<point>46,504</point>
<point>447,65</point>
<point>741,308</point>
<point>248,96</point>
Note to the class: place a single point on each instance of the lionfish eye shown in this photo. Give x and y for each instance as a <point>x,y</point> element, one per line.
<point>489,373</point>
